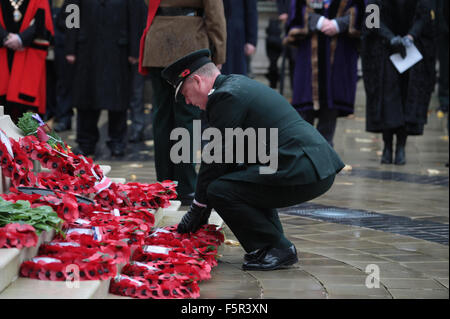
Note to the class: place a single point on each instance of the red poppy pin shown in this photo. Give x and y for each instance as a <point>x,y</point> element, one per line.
<point>185,73</point>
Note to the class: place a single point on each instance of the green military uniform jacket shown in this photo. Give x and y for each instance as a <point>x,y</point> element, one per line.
<point>304,156</point>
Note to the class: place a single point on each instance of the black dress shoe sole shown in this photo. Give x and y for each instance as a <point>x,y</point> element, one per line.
<point>283,265</point>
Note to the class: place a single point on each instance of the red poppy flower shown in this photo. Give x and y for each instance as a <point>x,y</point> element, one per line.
<point>55,163</point>
<point>27,143</point>
<point>68,210</point>
<point>5,156</point>
<point>185,73</point>
<point>18,236</point>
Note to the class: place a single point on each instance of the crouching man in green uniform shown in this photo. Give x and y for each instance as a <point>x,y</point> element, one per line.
<point>246,195</point>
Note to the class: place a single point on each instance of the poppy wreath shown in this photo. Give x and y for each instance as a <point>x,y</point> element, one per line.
<point>145,215</point>
<point>59,270</point>
<point>187,248</point>
<point>202,244</point>
<point>143,254</point>
<point>139,287</point>
<point>15,195</point>
<point>73,253</point>
<point>197,271</point>
<point>137,195</point>
<point>123,224</point>
<point>117,251</point>
<point>115,227</point>
<point>18,236</point>
<point>174,286</point>
<point>109,244</point>
<point>205,237</point>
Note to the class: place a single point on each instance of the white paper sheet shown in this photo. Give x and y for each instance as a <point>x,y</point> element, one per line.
<point>412,57</point>
<point>156,249</point>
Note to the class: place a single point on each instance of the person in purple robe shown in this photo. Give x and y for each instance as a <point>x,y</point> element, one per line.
<point>326,34</point>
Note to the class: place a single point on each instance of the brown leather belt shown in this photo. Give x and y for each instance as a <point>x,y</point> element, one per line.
<point>189,12</point>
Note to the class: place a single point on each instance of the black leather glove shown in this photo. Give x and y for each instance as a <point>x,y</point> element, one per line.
<point>196,217</point>
<point>397,46</point>
<point>407,42</point>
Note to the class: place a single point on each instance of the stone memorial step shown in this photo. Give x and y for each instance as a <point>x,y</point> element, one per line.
<point>12,258</point>
<point>26,288</point>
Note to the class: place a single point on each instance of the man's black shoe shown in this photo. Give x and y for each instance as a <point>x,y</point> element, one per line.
<point>62,126</point>
<point>255,255</point>
<point>274,258</point>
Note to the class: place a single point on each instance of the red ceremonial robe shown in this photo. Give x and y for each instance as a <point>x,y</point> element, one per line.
<point>152,7</point>
<point>25,84</point>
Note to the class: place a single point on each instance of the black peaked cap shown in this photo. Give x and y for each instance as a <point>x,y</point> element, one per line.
<point>179,70</point>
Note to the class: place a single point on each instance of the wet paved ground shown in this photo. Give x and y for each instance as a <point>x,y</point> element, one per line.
<point>384,218</point>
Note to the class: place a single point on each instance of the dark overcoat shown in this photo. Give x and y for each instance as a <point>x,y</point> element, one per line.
<point>395,100</point>
<point>102,46</point>
<point>242,28</point>
<point>304,156</point>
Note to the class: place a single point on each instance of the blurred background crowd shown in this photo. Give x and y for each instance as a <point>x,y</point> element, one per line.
<point>320,49</point>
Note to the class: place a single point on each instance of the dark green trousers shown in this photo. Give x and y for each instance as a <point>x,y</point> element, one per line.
<point>249,209</point>
<point>168,115</point>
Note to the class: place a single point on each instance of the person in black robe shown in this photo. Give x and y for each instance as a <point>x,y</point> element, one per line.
<point>397,104</point>
<point>64,71</point>
<point>242,25</point>
<point>100,51</point>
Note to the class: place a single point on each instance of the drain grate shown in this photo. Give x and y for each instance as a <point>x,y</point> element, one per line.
<point>426,230</point>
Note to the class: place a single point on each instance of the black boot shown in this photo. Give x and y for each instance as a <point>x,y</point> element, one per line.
<point>400,156</point>
<point>387,151</point>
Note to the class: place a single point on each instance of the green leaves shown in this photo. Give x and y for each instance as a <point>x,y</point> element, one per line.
<point>42,218</point>
<point>28,124</point>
